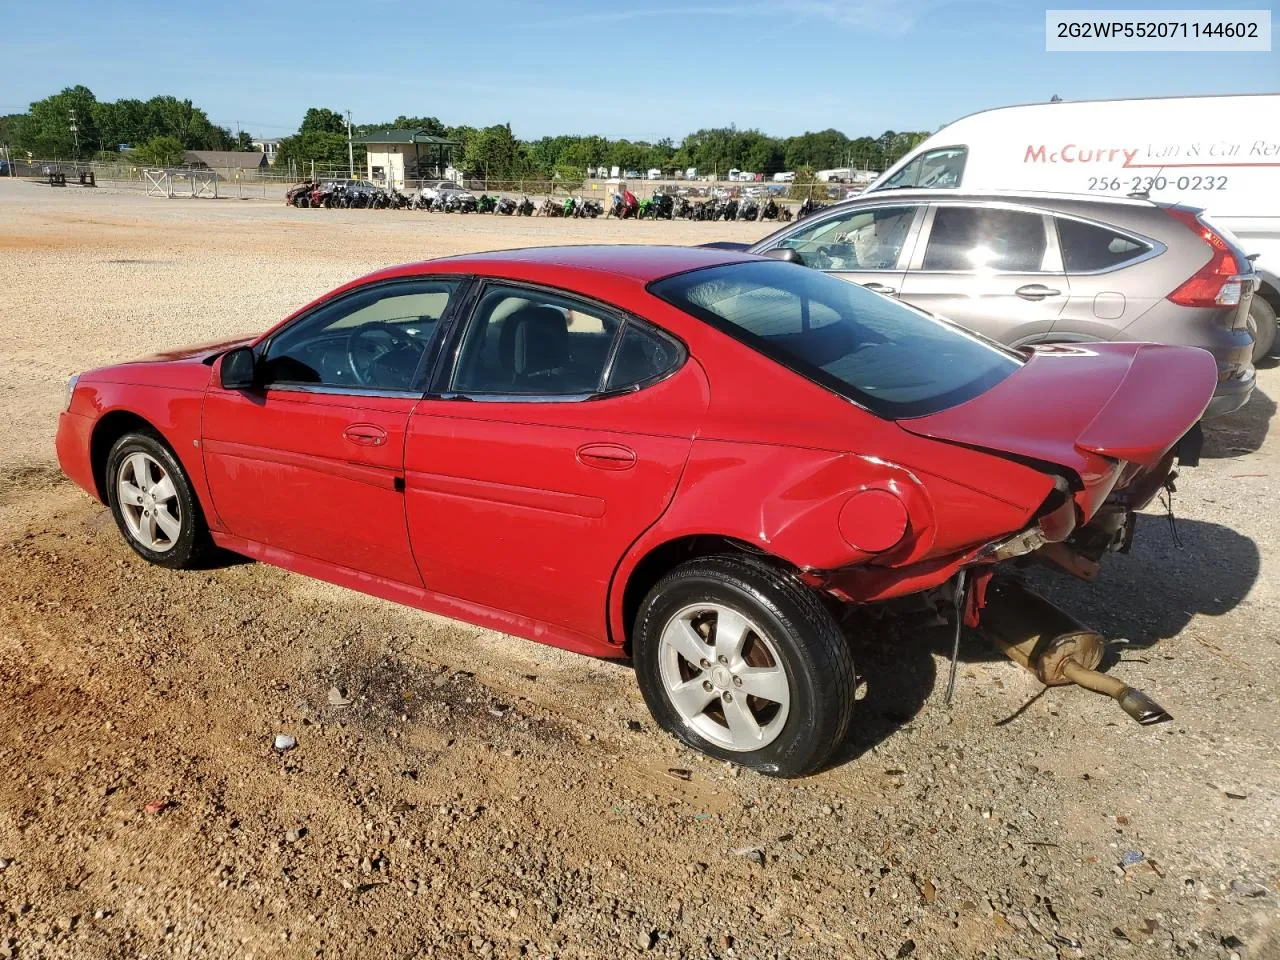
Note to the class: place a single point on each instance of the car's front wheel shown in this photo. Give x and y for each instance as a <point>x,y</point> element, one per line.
<point>153,503</point>
<point>741,661</point>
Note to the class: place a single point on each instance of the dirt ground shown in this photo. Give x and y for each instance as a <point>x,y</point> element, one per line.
<point>483,795</point>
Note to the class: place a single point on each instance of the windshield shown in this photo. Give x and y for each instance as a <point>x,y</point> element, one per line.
<point>890,358</point>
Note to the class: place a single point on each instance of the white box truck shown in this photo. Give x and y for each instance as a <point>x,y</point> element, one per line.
<point>1220,153</point>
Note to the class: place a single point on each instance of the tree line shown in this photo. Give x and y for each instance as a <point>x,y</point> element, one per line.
<point>75,124</point>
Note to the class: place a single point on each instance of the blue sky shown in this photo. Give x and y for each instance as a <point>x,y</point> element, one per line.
<point>616,68</point>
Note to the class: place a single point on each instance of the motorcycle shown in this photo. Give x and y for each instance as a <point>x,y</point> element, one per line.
<point>486,203</point>
<point>589,208</point>
<point>748,210</point>
<point>505,206</point>
<point>683,209</point>
<point>423,201</point>
<point>810,206</point>
<point>525,208</point>
<point>770,210</point>
<point>663,207</point>
<point>570,208</point>
<point>730,209</point>
<point>550,208</point>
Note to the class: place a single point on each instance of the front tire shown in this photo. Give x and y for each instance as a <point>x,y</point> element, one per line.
<point>742,662</point>
<point>152,502</point>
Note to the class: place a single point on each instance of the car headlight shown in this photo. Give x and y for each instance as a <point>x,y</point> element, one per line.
<point>71,389</point>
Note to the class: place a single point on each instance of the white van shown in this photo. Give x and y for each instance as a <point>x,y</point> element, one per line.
<point>1219,153</point>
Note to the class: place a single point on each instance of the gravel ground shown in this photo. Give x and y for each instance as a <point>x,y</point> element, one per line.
<point>454,791</point>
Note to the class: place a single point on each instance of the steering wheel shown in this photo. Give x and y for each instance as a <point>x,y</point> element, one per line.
<point>838,251</point>
<point>363,342</point>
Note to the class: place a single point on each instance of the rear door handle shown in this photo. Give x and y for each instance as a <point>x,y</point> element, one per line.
<point>1036,291</point>
<point>365,434</point>
<point>881,288</point>
<point>607,456</point>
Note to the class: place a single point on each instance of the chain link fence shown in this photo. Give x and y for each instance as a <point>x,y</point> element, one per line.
<point>272,184</point>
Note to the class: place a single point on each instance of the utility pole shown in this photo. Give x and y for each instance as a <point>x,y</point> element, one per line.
<point>351,157</point>
<point>75,132</point>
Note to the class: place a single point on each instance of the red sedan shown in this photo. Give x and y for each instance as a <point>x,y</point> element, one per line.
<point>686,456</point>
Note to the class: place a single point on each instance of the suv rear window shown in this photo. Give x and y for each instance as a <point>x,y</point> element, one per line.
<point>894,360</point>
<point>1088,247</point>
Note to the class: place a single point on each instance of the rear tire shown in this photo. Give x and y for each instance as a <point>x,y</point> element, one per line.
<point>742,662</point>
<point>1262,324</point>
<point>153,504</point>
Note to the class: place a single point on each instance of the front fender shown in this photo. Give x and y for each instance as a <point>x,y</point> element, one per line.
<point>172,412</point>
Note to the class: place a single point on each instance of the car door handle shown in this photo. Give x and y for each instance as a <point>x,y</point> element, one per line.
<point>607,456</point>
<point>881,288</point>
<point>365,434</point>
<point>1037,291</point>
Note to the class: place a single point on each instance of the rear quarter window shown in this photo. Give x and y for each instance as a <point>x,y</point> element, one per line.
<point>1091,247</point>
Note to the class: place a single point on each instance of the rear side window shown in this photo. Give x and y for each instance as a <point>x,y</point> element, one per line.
<point>1088,247</point>
<point>642,356</point>
<point>982,238</point>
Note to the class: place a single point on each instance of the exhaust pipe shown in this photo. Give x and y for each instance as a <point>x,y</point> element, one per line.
<point>1057,648</point>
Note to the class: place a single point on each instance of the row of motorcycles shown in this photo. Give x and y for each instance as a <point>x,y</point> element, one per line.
<point>624,206</point>
<point>662,206</point>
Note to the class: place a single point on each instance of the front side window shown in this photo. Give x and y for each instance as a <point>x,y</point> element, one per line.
<point>375,338</point>
<point>1090,247</point>
<point>886,356</point>
<point>855,240</point>
<point>533,343</point>
<point>935,170</point>
<point>985,238</point>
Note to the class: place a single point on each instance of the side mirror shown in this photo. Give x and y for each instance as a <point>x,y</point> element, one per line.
<point>785,254</point>
<point>239,369</point>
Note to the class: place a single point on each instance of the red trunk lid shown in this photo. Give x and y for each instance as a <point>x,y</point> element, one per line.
<point>1124,401</point>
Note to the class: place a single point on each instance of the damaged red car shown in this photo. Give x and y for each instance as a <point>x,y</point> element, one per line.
<point>690,457</point>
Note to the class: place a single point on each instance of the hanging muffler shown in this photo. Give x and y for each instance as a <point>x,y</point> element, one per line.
<point>1055,647</point>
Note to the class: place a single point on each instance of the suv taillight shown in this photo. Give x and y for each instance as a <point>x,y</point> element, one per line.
<point>1220,282</point>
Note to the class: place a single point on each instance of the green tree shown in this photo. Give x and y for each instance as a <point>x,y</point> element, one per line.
<point>47,131</point>
<point>805,184</point>
<point>160,152</point>
<point>328,150</point>
<point>323,120</point>
<point>495,154</point>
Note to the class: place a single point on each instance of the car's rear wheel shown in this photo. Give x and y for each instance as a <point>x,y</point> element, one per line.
<point>741,661</point>
<point>1262,324</point>
<point>152,501</point>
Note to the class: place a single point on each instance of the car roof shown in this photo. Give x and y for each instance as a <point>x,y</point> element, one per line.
<point>641,264</point>
<point>1033,196</point>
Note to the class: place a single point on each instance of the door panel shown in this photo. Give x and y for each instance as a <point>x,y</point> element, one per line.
<point>528,506</point>
<point>318,474</point>
<point>993,270</point>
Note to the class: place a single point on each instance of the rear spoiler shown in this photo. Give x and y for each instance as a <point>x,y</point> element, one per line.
<point>1118,433</point>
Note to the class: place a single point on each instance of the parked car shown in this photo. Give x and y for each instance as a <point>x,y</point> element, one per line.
<point>1216,152</point>
<point>1041,268</point>
<point>441,189</point>
<point>687,456</point>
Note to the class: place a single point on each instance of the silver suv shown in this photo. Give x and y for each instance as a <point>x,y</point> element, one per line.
<point>1037,268</point>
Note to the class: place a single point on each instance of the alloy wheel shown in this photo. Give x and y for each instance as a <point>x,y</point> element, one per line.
<point>724,676</point>
<point>149,502</point>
